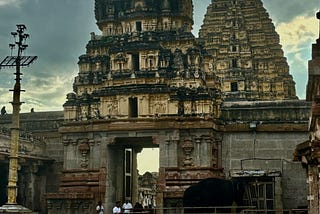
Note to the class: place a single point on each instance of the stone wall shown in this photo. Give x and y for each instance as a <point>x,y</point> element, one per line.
<point>260,139</point>
<point>268,151</point>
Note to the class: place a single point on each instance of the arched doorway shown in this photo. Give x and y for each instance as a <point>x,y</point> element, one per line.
<point>124,152</point>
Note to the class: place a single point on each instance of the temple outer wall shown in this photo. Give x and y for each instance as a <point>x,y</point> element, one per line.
<point>262,137</point>
<point>270,152</point>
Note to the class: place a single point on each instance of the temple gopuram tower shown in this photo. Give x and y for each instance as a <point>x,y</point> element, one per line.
<point>143,83</point>
<point>247,54</point>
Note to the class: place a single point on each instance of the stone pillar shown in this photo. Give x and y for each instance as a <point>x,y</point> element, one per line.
<point>161,187</point>
<point>143,107</point>
<point>58,207</point>
<point>75,205</point>
<point>106,160</point>
<point>65,147</point>
<point>218,147</point>
<point>164,154</point>
<point>67,207</point>
<point>173,153</point>
<point>135,174</point>
<point>169,153</point>
<point>50,209</point>
<point>313,197</point>
<point>73,155</point>
<point>198,155</point>
<point>86,208</point>
<point>277,194</point>
<point>91,155</point>
<point>208,152</point>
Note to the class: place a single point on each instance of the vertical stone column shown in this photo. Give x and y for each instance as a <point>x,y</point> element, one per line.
<point>58,207</point>
<point>198,157</point>
<point>218,149</point>
<point>75,207</point>
<point>173,153</point>
<point>86,208</point>
<point>73,154</point>
<point>67,207</point>
<point>135,174</point>
<point>208,151</point>
<point>65,152</point>
<point>169,153</point>
<point>278,193</point>
<point>105,160</point>
<point>50,207</point>
<point>161,187</point>
<point>164,154</point>
<point>313,197</point>
<point>144,106</point>
<point>91,155</point>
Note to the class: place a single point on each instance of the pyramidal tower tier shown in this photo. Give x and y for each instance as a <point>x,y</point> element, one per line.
<point>146,63</point>
<point>247,54</point>
<point>115,17</point>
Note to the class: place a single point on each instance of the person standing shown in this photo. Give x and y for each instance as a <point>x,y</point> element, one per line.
<point>117,208</point>
<point>100,208</point>
<point>127,206</point>
<point>3,110</point>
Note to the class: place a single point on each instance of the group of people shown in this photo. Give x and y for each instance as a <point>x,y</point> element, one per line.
<point>125,208</point>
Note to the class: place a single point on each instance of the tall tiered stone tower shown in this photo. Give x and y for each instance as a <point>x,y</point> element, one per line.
<point>247,55</point>
<point>145,82</point>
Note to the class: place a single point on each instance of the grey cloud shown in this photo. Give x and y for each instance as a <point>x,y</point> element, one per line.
<point>59,31</point>
<point>286,10</point>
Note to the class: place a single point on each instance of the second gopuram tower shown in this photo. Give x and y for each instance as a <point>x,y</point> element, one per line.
<point>247,53</point>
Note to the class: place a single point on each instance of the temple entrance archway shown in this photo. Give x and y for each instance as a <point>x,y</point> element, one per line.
<point>124,152</point>
<point>104,159</point>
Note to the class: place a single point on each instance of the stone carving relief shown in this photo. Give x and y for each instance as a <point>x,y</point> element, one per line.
<point>84,113</point>
<point>120,61</point>
<point>187,107</point>
<point>95,112</point>
<point>112,107</point>
<point>178,65</point>
<point>187,147</point>
<point>159,105</point>
<point>84,150</point>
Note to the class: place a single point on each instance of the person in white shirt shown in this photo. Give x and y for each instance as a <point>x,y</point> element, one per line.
<point>117,208</point>
<point>127,206</point>
<point>100,208</point>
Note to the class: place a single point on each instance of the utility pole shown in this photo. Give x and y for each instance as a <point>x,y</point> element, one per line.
<point>17,61</point>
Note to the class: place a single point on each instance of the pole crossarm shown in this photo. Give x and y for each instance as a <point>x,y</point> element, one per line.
<point>11,61</point>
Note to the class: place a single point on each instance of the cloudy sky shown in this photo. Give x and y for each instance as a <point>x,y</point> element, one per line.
<point>60,29</point>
